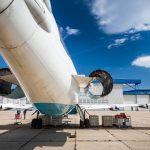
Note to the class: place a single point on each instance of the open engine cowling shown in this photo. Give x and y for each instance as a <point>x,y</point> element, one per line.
<point>105,79</point>
<point>6,85</point>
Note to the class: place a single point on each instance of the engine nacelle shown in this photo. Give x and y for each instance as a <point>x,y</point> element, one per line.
<point>6,86</point>
<point>105,79</point>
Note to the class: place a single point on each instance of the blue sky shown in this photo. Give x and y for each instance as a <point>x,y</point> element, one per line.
<point>122,48</point>
<point>100,34</point>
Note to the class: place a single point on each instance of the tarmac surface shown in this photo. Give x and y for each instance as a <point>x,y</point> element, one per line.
<point>22,137</point>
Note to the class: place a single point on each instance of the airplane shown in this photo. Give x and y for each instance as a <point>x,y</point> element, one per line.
<point>124,105</point>
<point>8,106</point>
<point>39,64</point>
<point>95,107</point>
<point>112,107</point>
<point>118,106</point>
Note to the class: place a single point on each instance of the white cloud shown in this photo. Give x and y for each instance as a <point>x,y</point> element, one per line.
<point>117,16</point>
<point>67,31</point>
<point>143,61</point>
<point>61,29</point>
<point>120,41</point>
<point>140,27</point>
<point>117,43</point>
<point>71,31</point>
<point>135,37</point>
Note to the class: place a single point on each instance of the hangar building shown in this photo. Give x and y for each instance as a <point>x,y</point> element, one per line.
<point>118,95</point>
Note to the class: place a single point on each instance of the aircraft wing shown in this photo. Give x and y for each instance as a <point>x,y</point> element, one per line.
<point>105,106</point>
<point>126,105</point>
<point>95,107</point>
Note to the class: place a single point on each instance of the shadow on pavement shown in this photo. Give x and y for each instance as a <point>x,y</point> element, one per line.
<point>23,137</point>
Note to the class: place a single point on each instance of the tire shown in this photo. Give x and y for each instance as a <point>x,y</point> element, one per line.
<point>39,123</point>
<point>34,123</point>
<point>87,123</point>
<point>81,124</point>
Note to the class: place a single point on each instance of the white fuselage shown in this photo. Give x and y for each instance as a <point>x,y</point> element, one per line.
<point>30,44</point>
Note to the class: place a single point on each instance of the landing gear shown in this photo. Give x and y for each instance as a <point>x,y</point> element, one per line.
<point>87,123</point>
<point>81,124</point>
<point>36,123</point>
<point>84,122</point>
<point>33,123</point>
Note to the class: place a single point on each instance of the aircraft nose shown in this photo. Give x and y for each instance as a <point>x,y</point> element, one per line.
<point>4,4</point>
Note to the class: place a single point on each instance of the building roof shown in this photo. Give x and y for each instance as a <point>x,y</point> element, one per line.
<point>127,81</point>
<point>137,92</point>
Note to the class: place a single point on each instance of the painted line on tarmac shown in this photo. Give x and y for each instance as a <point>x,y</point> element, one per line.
<point>119,140</point>
<point>30,139</point>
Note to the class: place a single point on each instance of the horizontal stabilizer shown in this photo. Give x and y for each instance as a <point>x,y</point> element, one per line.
<point>95,107</point>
